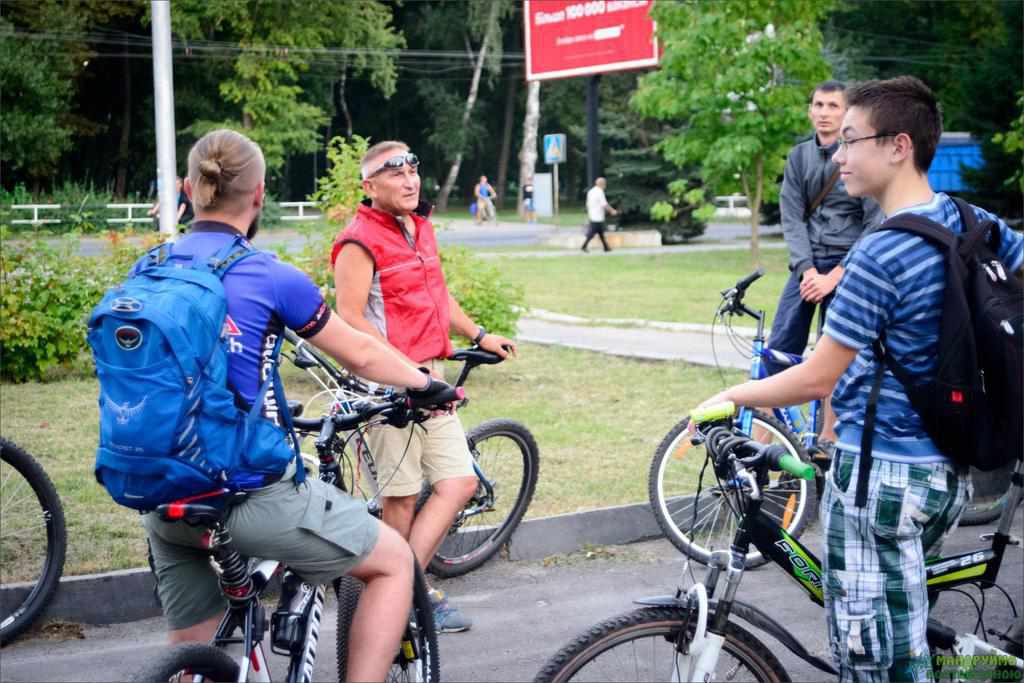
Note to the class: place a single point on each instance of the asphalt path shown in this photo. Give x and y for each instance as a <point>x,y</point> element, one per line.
<point>468,234</point>
<point>524,612</point>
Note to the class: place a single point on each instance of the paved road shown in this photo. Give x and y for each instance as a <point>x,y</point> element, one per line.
<point>524,612</point>
<point>468,234</point>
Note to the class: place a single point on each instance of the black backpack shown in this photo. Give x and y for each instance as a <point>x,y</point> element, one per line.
<point>973,408</point>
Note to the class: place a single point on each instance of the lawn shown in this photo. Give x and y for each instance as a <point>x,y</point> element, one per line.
<point>677,287</point>
<point>596,418</point>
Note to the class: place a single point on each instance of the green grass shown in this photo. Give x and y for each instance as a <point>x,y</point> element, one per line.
<point>676,287</point>
<point>597,420</point>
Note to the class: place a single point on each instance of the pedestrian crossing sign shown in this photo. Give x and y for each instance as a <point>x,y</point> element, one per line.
<point>554,148</point>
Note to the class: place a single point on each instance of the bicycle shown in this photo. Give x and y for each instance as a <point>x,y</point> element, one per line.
<point>295,625</point>
<point>506,461</point>
<point>694,634</point>
<point>33,539</point>
<point>696,531</point>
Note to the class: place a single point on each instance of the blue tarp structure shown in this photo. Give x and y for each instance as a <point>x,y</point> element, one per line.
<point>954,149</point>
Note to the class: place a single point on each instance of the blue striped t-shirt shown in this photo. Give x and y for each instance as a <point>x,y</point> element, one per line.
<point>894,283</point>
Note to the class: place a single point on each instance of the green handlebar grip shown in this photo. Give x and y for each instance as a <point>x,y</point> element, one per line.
<point>796,467</point>
<point>717,411</point>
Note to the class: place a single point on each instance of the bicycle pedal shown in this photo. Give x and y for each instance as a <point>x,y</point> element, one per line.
<point>988,536</point>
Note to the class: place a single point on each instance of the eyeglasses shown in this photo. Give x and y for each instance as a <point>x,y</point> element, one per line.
<point>844,143</point>
<point>395,163</point>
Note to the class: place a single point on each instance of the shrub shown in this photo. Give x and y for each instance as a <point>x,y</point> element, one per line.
<point>339,192</point>
<point>484,296</point>
<point>46,292</point>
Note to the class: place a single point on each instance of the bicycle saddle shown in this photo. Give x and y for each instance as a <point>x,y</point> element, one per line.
<point>206,509</point>
<point>476,356</point>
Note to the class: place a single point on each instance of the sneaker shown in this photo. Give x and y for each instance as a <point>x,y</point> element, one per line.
<point>447,619</point>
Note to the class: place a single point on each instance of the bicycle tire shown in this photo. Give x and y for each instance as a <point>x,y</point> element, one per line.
<point>507,454</point>
<point>663,626</point>
<point>425,669</point>
<point>19,541</point>
<point>197,658</point>
<point>790,502</point>
<point>987,505</point>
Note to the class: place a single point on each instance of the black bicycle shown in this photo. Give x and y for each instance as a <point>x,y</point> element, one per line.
<point>237,652</point>
<point>695,634</point>
<point>33,540</point>
<point>506,460</point>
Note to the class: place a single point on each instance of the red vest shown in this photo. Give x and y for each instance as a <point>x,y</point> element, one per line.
<point>415,296</point>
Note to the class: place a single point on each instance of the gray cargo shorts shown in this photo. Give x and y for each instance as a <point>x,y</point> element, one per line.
<point>319,531</point>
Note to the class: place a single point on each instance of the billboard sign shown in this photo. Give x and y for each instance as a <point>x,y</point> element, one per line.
<point>579,37</point>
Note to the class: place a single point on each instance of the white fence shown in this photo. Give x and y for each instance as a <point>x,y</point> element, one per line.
<point>135,213</point>
<point>733,205</point>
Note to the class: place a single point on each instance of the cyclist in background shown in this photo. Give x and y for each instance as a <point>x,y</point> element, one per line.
<point>876,597</point>
<point>315,528</point>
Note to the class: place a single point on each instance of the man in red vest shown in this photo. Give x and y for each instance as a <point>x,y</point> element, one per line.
<point>389,284</point>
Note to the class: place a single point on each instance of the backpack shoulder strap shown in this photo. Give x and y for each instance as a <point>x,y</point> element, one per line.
<point>227,257</point>
<point>868,433</point>
<point>922,227</point>
<point>974,231</point>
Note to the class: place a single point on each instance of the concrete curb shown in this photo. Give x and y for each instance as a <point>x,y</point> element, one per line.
<point>127,595</point>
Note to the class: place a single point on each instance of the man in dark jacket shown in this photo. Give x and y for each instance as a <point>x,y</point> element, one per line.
<point>820,222</point>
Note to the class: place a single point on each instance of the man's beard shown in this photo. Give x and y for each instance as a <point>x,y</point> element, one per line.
<point>254,228</point>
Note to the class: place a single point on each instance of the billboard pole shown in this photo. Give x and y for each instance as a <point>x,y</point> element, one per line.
<point>593,134</point>
<point>163,105</point>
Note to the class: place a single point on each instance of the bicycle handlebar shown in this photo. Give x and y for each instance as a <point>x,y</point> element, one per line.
<point>749,280</point>
<point>724,442</point>
<point>398,408</point>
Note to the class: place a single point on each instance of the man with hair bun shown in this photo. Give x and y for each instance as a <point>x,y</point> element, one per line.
<point>390,285</point>
<point>226,183</point>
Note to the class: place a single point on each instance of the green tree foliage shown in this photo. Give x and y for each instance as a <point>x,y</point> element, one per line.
<point>734,77</point>
<point>968,51</point>
<point>279,41</point>
<point>1013,143</point>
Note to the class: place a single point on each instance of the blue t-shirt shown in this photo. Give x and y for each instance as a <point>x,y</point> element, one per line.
<point>895,283</point>
<point>264,295</point>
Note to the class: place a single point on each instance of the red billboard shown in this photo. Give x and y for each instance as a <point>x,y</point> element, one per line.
<point>575,37</point>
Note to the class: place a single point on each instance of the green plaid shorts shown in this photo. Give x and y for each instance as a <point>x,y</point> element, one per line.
<point>876,597</point>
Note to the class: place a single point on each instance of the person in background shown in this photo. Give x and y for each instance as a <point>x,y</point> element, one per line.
<point>531,215</point>
<point>597,207</point>
<point>185,213</point>
<point>484,194</point>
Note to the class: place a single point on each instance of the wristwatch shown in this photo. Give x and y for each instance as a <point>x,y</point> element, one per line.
<point>480,335</point>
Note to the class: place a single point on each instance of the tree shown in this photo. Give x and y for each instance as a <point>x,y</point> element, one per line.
<point>484,22</point>
<point>528,151</point>
<point>734,78</point>
<point>278,40</point>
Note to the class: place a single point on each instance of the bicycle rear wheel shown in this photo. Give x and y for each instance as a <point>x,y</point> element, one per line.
<point>507,456</point>
<point>643,646</point>
<point>418,659</point>
<point>991,493</point>
<point>212,663</point>
<point>698,526</point>
<point>33,539</point>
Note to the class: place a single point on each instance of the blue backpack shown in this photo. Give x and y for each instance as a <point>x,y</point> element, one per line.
<point>169,424</point>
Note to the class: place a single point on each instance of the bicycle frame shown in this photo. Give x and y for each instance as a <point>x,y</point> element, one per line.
<point>979,567</point>
<point>791,416</point>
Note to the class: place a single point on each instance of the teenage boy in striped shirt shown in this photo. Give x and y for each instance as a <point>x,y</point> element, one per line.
<point>875,593</point>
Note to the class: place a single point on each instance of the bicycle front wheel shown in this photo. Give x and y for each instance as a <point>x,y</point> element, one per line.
<point>417,659</point>
<point>643,645</point>
<point>699,525</point>
<point>33,539</point>
<point>212,663</point>
<point>508,460</point>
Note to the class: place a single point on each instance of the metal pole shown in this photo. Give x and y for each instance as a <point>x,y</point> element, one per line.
<point>163,104</point>
<point>593,136</point>
<point>555,192</point>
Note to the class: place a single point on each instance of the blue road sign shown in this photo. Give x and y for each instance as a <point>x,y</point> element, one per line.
<point>554,148</point>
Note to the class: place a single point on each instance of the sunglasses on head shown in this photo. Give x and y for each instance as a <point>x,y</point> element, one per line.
<point>395,163</point>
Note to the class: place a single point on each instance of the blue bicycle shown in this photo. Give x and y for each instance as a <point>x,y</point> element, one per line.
<point>698,511</point>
